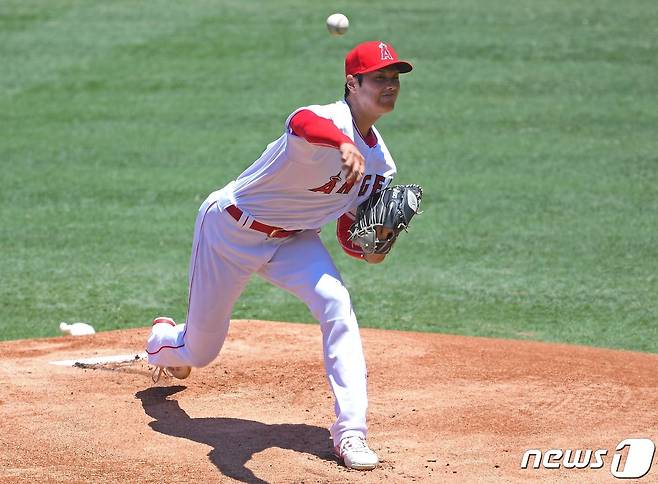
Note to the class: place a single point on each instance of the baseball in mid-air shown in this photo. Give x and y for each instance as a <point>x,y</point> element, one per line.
<point>337,24</point>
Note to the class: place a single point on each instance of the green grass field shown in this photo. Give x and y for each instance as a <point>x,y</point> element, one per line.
<point>533,127</point>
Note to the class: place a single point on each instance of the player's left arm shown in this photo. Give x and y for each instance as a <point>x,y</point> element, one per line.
<point>343,225</point>
<point>383,233</point>
<point>382,216</point>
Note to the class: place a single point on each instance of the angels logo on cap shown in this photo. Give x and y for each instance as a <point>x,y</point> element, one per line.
<point>385,53</point>
<point>372,56</point>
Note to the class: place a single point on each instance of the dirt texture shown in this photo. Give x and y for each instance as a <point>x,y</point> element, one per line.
<point>442,409</point>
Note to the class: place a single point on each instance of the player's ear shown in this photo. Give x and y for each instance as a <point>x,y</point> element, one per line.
<point>350,82</point>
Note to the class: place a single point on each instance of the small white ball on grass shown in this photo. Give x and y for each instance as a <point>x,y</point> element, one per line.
<point>337,24</point>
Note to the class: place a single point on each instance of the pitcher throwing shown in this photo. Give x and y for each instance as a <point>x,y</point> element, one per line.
<point>329,159</point>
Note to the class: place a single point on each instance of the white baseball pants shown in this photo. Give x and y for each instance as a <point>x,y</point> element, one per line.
<point>225,253</point>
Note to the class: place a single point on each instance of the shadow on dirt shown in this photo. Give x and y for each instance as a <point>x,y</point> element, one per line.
<point>234,440</point>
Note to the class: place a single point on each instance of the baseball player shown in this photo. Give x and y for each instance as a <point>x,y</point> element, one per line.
<point>328,160</point>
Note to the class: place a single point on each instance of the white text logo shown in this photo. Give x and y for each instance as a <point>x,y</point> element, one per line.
<point>637,462</point>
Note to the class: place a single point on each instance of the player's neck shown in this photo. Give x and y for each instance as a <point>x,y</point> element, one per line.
<point>363,120</point>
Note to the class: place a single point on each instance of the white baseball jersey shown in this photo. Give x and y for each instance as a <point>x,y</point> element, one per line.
<point>298,185</point>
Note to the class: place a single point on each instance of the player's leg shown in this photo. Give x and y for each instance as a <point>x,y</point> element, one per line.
<point>303,267</point>
<point>215,283</point>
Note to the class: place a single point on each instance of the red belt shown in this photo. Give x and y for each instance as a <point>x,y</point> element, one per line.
<point>276,232</point>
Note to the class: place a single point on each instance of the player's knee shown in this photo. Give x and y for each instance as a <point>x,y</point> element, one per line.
<point>332,301</point>
<point>203,347</point>
<point>202,356</point>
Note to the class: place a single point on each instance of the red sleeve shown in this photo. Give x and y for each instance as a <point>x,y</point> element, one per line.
<point>317,130</point>
<point>342,234</point>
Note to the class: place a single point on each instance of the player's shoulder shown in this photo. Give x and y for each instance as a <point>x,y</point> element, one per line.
<point>338,109</point>
<point>338,112</point>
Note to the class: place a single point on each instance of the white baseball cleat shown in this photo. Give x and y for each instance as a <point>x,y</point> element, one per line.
<point>355,454</point>
<point>180,372</point>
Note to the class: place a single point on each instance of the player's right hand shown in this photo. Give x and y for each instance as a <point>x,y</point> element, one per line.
<point>353,162</point>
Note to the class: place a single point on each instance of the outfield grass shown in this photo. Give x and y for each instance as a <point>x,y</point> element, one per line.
<point>532,126</point>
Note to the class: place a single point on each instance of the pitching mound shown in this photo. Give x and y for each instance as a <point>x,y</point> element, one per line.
<point>442,409</point>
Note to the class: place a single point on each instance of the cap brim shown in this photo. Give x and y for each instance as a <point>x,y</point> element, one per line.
<point>403,66</point>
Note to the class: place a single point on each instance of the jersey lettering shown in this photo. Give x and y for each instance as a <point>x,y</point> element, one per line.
<point>365,185</point>
<point>329,186</point>
<point>346,187</point>
<point>377,186</point>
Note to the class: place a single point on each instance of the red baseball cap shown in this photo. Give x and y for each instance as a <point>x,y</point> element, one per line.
<point>372,56</point>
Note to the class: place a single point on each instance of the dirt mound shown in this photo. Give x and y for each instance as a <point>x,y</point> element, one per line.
<point>442,409</point>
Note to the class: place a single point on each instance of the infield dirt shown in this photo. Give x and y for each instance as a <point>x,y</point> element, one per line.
<point>442,409</point>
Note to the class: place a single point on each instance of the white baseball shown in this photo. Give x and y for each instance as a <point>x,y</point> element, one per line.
<point>337,24</point>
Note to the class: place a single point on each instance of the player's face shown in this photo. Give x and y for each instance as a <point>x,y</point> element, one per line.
<point>380,89</point>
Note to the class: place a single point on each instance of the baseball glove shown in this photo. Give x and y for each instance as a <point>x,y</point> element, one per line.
<point>380,219</point>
